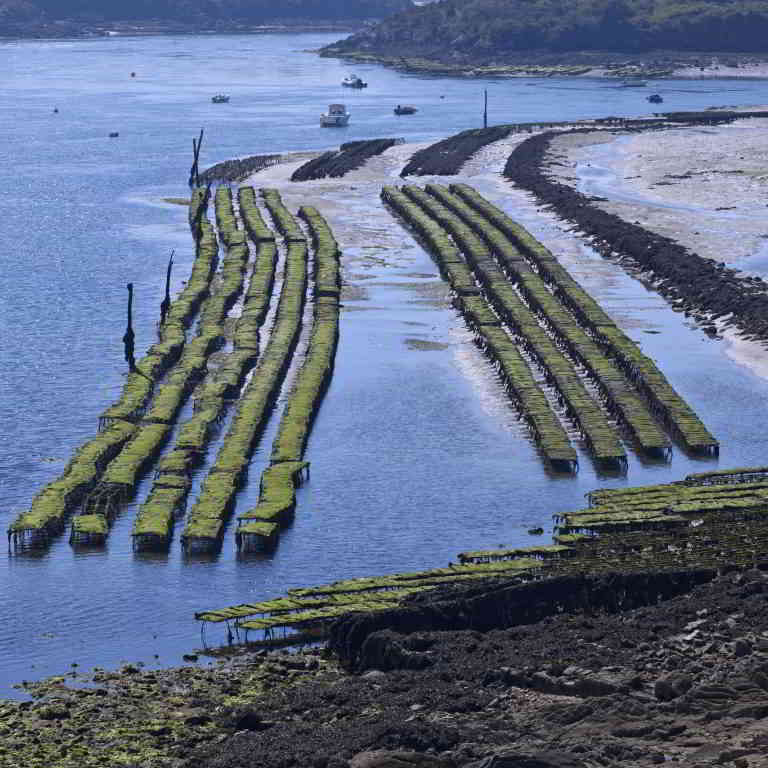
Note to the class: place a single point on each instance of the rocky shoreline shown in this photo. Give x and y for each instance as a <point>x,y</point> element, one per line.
<point>605,670</point>
<point>656,65</point>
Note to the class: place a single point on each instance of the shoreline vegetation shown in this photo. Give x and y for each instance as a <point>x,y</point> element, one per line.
<point>65,29</point>
<point>641,38</point>
<point>92,18</point>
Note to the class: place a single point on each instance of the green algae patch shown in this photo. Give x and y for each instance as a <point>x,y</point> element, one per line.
<point>157,718</point>
<point>177,201</point>
<point>424,345</point>
<point>492,555</point>
<point>90,525</point>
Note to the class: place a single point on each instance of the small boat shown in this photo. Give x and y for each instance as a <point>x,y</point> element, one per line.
<point>405,109</point>
<point>353,81</point>
<point>655,98</point>
<point>634,82</point>
<point>220,98</point>
<point>113,135</point>
<point>336,116</point>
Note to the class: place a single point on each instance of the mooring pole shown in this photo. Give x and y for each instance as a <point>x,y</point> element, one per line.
<point>197,158</point>
<point>194,161</point>
<point>167,300</point>
<point>485,109</point>
<point>128,341</point>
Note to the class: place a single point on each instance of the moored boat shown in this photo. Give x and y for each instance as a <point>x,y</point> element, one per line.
<point>632,82</point>
<point>655,98</point>
<point>405,109</point>
<point>336,116</point>
<point>220,98</point>
<point>353,81</point>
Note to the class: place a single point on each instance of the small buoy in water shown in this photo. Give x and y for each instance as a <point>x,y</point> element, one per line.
<point>113,135</point>
<point>442,97</point>
<point>55,110</point>
<point>133,74</point>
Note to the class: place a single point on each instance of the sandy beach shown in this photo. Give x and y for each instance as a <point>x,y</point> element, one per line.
<point>702,187</point>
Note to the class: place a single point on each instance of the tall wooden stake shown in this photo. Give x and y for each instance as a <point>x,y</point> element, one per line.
<point>197,158</point>
<point>194,173</point>
<point>485,109</point>
<point>192,169</point>
<point>167,300</point>
<point>128,340</point>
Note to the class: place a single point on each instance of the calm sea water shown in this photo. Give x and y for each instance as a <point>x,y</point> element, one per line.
<point>415,455</point>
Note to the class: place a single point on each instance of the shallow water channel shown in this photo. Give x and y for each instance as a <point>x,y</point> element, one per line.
<point>416,453</point>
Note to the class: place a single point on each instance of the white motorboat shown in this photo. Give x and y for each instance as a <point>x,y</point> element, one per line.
<point>353,81</point>
<point>336,116</point>
<point>633,82</point>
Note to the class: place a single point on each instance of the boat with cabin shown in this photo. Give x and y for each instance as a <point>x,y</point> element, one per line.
<point>405,109</point>
<point>655,98</point>
<point>220,98</point>
<point>353,81</point>
<point>336,116</point>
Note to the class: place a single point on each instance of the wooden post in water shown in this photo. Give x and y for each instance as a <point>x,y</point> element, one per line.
<point>194,173</point>
<point>167,300</point>
<point>128,340</point>
<point>192,169</point>
<point>485,109</point>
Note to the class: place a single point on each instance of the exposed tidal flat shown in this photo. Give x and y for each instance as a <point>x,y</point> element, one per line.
<point>416,453</point>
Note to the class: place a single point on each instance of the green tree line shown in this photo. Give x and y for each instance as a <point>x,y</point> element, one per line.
<point>247,11</point>
<point>480,29</point>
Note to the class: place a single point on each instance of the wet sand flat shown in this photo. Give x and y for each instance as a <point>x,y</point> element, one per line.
<point>704,187</point>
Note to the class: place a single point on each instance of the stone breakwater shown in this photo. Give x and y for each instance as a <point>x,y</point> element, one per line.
<point>702,287</point>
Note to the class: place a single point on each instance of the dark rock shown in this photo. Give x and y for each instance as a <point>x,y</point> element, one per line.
<point>489,606</point>
<point>243,720</point>
<point>383,758</point>
<point>532,760</point>
<point>197,720</point>
<point>385,651</point>
<point>633,731</point>
<point>672,686</point>
<point>742,647</point>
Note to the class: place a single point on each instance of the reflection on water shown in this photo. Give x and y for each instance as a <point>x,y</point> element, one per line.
<point>416,452</point>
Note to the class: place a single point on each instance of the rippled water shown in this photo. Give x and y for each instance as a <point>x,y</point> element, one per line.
<point>415,454</point>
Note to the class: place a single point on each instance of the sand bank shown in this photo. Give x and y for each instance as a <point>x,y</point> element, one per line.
<point>704,188</point>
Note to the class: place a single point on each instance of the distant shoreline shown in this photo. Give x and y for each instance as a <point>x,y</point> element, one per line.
<point>667,65</point>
